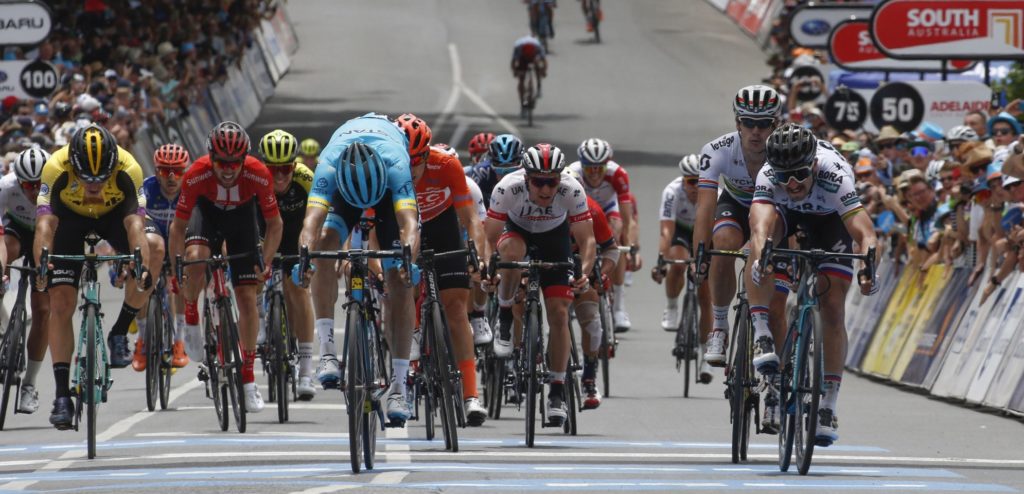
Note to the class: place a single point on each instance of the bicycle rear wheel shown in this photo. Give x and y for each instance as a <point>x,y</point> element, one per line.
<point>809,392</point>
<point>90,389</point>
<point>233,365</point>
<point>153,341</point>
<point>739,368</point>
<point>532,376</point>
<point>495,385</point>
<point>278,361</point>
<point>11,351</point>
<point>355,391</point>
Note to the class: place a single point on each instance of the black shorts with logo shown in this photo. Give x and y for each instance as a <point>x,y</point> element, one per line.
<point>442,234</point>
<point>210,226</point>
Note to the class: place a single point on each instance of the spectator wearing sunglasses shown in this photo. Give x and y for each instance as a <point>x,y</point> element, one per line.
<point>891,146</point>
<point>1004,129</point>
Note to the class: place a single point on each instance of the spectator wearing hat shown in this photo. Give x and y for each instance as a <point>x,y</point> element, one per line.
<point>892,145</point>
<point>923,204</point>
<point>849,151</point>
<point>1004,129</point>
<point>1010,246</point>
<point>920,153</point>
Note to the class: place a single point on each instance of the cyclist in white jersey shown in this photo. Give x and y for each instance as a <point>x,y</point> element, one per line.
<point>678,213</point>
<point>540,206</point>
<point>607,182</point>
<point>805,184</point>
<point>18,192</point>
<point>735,158</point>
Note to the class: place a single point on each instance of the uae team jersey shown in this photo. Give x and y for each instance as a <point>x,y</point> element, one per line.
<point>675,206</point>
<point>510,201</point>
<point>253,182</point>
<point>16,208</point>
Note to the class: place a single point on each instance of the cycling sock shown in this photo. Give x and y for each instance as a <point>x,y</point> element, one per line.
<point>305,355</point>
<point>617,298</point>
<point>192,313</point>
<point>557,377</point>
<point>721,317</point>
<point>589,368</point>
<point>475,314</point>
<point>325,333</point>
<point>505,323</point>
<point>759,314</point>
<point>831,385</point>
<point>401,368</point>
<point>557,389</point>
<point>31,369</point>
<point>62,376</point>
<point>179,327</point>
<point>672,303</point>
<point>141,322</point>
<point>124,319</point>
<point>248,359</point>
<point>468,369</point>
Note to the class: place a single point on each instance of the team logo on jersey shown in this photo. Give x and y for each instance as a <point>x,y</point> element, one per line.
<point>724,142</point>
<point>705,162</point>
<point>321,183</point>
<point>44,189</point>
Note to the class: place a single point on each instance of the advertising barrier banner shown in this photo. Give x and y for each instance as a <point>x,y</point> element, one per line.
<point>1009,374</point>
<point>904,336</point>
<point>866,321</point>
<point>755,15</point>
<point>994,342</point>
<point>906,292</point>
<point>283,29</point>
<point>736,8</point>
<point>953,371</point>
<point>947,311</point>
<point>277,52</point>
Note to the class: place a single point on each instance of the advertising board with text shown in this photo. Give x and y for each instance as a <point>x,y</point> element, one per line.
<point>811,23</point>
<point>851,48</point>
<point>977,29</point>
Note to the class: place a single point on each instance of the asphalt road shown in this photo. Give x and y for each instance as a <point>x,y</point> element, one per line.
<point>658,86</point>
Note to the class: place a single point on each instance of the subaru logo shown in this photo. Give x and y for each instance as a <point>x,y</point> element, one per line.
<point>816,27</point>
<point>3,76</point>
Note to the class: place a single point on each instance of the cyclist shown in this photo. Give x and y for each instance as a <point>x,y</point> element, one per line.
<point>807,184</point>
<point>528,53</point>
<point>678,211</point>
<point>608,183</point>
<point>220,194</point>
<point>90,185</point>
<point>541,206</point>
<point>736,157</point>
<point>309,148</point>
<point>292,183</point>
<point>549,9</point>
<point>587,306</point>
<point>366,165</point>
<point>445,203</point>
<point>478,146</point>
<point>18,193</point>
<point>161,191</point>
<point>586,14</point>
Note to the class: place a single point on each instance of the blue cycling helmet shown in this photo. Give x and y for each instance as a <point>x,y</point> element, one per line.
<point>362,176</point>
<point>506,151</point>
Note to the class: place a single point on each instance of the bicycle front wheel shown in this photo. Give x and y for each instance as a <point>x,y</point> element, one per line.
<point>532,356</point>
<point>152,338</point>
<point>91,389</point>
<point>233,365</point>
<point>686,339</point>
<point>787,396</point>
<point>810,391</point>
<point>11,351</point>
<point>739,368</point>
<point>278,361</point>
<point>166,368</point>
<point>355,390</point>
<point>441,355</point>
<point>607,345</point>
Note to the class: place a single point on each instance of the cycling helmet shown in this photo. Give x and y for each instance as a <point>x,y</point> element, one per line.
<point>28,167</point>
<point>310,147</point>
<point>228,142</point>
<point>506,150</point>
<point>543,158</point>
<point>689,165</point>
<point>791,147</point>
<point>934,167</point>
<point>446,149</point>
<point>279,147</point>
<point>362,176</point>
<point>961,133</point>
<point>93,153</point>
<point>479,143</point>
<point>171,155</point>
<point>594,152</point>
<point>417,131</point>
<point>757,101</point>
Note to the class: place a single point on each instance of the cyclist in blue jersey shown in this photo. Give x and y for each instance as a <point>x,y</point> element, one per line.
<point>504,156</point>
<point>366,164</point>
<point>161,191</point>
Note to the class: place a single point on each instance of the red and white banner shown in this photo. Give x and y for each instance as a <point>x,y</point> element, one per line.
<point>736,8</point>
<point>754,16</point>
<point>851,48</point>
<point>976,29</point>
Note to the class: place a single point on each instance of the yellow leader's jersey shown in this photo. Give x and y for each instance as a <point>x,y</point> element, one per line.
<point>62,191</point>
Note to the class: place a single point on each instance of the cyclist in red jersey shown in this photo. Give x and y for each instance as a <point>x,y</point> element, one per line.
<point>218,201</point>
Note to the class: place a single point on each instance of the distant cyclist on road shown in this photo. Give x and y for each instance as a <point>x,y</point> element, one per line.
<point>526,53</point>
<point>309,148</point>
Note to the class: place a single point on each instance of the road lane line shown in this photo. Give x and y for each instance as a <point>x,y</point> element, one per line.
<point>453,95</point>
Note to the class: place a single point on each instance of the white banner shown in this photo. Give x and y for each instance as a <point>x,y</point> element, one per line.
<point>276,51</point>
<point>995,342</point>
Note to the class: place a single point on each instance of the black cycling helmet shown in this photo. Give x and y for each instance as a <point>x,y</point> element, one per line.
<point>790,147</point>
<point>93,153</point>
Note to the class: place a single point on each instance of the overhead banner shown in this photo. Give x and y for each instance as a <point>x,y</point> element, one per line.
<point>851,48</point>
<point>811,23</point>
<point>904,105</point>
<point>938,29</point>
<point>24,23</point>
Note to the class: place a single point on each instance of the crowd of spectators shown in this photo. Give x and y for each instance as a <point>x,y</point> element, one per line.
<point>950,195</point>
<point>126,64</point>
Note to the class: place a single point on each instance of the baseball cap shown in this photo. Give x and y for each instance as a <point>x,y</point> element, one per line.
<point>1009,180</point>
<point>109,73</point>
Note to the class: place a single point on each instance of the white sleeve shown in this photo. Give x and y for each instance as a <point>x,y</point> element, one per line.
<point>668,204</point>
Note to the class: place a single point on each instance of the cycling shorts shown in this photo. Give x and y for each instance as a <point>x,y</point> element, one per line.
<point>829,234</point>
<point>342,217</point>
<point>67,240</point>
<point>683,235</point>
<point>26,239</point>
<point>442,234</point>
<point>552,246</point>
<point>730,213</point>
<point>210,226</point>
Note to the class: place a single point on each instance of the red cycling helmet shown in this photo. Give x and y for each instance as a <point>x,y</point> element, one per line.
<point>417,131</point>
<point>228,142</point>
<point>480,142</point>
<point>171,156</point>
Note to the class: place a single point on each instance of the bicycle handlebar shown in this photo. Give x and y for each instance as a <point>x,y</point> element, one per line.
<point>818,256</point>
<point>45,257</point>
<point>405,254</point>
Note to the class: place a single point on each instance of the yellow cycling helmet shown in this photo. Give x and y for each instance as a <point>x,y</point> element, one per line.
<point>278,147</point>
<point>310,147</point>
<point>93,152</point>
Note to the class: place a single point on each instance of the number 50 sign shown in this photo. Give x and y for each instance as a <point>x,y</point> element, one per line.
<point>904,105</point>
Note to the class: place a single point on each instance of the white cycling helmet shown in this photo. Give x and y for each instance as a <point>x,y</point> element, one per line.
<point>934,167</point>
<point>594,151</point>
<point>28,167</point>
<point>689,166</point>
<point>962,133</point>
<point>757,101</point>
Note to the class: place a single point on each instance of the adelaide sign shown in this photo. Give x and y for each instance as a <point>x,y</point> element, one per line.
<point>851,48</point>
<point>946,29</point>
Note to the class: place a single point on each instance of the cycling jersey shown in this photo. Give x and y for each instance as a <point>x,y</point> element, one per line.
<point>478,198</point>
<point>486,177</point>
<point>613,189</point>
<point>511,202</point>
<point>254,182</point>
<point>390,144</point>
<point>160,209</point>
<point>443,185</point>
<point>675,206</point>
<point>61,189</point>
<point>292,203</point>
<point>832,191</point>
<point>722,159</point>
<point>527,50</point>
<point>16,208</point>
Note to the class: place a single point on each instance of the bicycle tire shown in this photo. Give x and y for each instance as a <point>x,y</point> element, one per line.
<point>814,376</point>
<point>12,352</point>
<point>686,337</point>
<point>91,353</point>
<point>572,386</point>
<point>213,368</point>
<point>532,336</point>
<point>445,380</point>
<point>355,392</point>
<point>152,338</point>
<point>607,335</point>
<point>369,433</point>
<point>233,364</point>
<point>498,377</point>
<point>166,364</point>
<point>278,361</point>
<point>737,389</point>
<point>786,419</point>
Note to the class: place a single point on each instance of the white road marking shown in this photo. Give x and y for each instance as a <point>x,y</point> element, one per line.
<point>453,95</point>
<point>295,406</point>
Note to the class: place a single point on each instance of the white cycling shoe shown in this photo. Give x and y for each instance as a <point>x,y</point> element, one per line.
<point>715,354</point>
<point>253,399</point>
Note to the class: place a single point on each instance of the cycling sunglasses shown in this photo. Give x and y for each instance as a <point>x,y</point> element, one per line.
<point>761,123</point>
<point>691,180</point>
<point>800,174</point>
<point>30,186</point>
<point>541,182</point>
<point>282,169</point>
<point>228,165</point>
<point>168,172</point>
